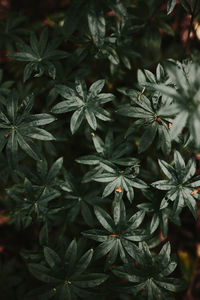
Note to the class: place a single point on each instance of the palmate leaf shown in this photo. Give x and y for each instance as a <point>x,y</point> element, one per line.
<point>185,95</point>
<point>118,180</point>
<point>31,205</point>
<point>118,234</point>
<point>85,104</point>
<point>18,127</point>
<point>180,184</point>
<point>45,181</point>
<point>150,277</point>
<point>155,122</point>
<point>67,273</point>
<point>12,31</point>
<point>112,149</point>
<point>40,56</point>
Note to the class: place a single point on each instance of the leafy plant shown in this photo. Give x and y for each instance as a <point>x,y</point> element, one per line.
<point>41,55</point>
<point>180,184</point>
<point>120,180</point>
<point>66,276</point>
<point>118,233</point>
<point>99,149</point>
<point>112,150</point>
<point>160,215</point>
<point>86,104</point>
<point>149,277</point>
<point>185,98</point>
<point>12,31</point>
<point>32,206</point>
<point>151,115</point>
<point>18,127</point>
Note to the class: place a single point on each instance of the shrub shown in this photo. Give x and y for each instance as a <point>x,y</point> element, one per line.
<point>99,128</point>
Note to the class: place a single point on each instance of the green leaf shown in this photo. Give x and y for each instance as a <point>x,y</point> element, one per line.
<point>28,147</point>
<point>91,280</point>
<point>40,119</point>
<point>83,262</point>
<point>191,203</point>
<point>51,257</point>
<point>88,160</point>
<point>76,120</point>
<point>170,6</point>
<point>104,218</point>
<point>104,248</point>
<point>42,273</point>
<point>28,70</point>
<point>55,169</point>
<point>162,185</point>
<point>167,169</point>
<point>172,284</point>
<point>178,124</point>
<point>147,138</point>
<point>154,223</point>
<point>91,119</point>
<point>12,105</point>
<point>97,26</point>
<point>71,256</point>
<point>96,87</point>
<point>39,134</point>
<point>65,106</point>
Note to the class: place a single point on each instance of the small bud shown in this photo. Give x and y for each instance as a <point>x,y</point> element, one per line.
<point>118,189</point>
<point>92,134</point>
<point>195,191</point>
<point>6,135</point>
<point>169,125</point>
<point>110,86</point>
<point>114,235</point>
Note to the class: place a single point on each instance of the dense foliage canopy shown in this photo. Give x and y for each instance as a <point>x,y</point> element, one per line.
<point>99,143</point>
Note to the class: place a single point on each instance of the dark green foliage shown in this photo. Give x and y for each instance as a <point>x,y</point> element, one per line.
<point>41,55</point>
<point>33,205</point>
<point>150,276</point>
<point>4,88</point>
<point>151,115</point>
<point>185,98</point>
<point>180,184</point>
<point>160,215</point>
<point>116,178</point>
<point>66,277</point>
<point>12,31</point>
<point>46,181</point>
<point>118,233</point>
<point>86,104</point>
<point>19,127</point>
<point>93,155</point>
<point>112,150</point>
<point>80,199</point>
